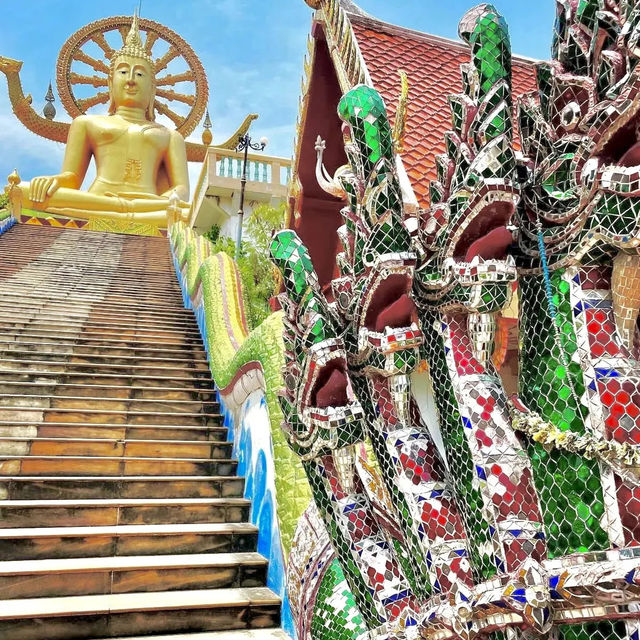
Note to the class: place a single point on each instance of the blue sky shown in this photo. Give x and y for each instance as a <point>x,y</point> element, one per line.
<point>252,51</point>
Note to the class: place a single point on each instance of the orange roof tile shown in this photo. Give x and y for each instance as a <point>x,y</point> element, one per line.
<point>432,65</point>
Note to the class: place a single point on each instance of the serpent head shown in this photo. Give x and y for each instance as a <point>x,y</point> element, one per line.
<point>466,233</point>
<point>581,138</point>
<point>377,263</point>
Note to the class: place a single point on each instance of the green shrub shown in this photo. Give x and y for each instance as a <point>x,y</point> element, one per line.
<point>258,275</point>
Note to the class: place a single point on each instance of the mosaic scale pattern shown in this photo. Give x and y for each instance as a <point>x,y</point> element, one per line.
<point>542,517</point>
<point>465,279</point>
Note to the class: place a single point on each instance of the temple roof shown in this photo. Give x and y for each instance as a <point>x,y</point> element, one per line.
<point>348,47</point>
<point>432,65</point>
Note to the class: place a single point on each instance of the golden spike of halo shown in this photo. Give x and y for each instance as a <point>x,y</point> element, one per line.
<point>400,121</point>
<point>133,45</point>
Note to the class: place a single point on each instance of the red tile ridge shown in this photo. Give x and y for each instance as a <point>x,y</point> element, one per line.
<point>376,24</point>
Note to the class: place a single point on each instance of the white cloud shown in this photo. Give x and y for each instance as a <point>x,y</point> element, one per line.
<point>25,151</point>
<point>230,9</point>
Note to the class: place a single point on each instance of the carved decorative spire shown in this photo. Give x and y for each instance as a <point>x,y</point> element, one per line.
<point>207,136</point>
<point>14,178</point>
<point>49,110</point>
<point>400,121</point>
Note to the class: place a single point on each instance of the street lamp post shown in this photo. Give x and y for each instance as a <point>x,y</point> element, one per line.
<point>244,144</point>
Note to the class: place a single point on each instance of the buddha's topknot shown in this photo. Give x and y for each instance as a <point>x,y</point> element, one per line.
<point>133,45</point>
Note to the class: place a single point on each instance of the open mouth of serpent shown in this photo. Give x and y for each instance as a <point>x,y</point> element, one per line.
<point>391,305</point>
<point>617,160</point>
<point>487,236</point>
<point>332,387</point>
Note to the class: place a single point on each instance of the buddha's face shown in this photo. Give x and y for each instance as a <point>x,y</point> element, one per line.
<point>132,83</point>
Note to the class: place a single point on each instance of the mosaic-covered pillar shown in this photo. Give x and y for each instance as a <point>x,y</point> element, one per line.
<point>382,336</point>
<point>464,280</point>
<point>323,421</point>
<point>578,238</point>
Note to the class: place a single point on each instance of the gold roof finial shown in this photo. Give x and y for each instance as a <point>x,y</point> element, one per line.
<point>13,178</point>
<point>400,121</point>
<point>133,44</point>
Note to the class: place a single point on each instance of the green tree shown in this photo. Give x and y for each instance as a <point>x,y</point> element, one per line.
<point>4,201</point>
<point>257,272</point>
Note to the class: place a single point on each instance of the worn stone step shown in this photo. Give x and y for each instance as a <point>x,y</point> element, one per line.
<point>64,366</point>
<point>114,487</point>
<point>94,275</point>
<point>82,403</point>
<point>84,513</point>
<point>132,323</point>
<point>134,327</point>
<point>25,358</point>
<point>90,281</point>
<point>113,615</point>
<point>31,302</point>
<point>72,337</point>
<point>37,428</point>
<point>156,316</point>
<point>79,257</point>
<point>88,302</point>
<point>159,336</point>
<point>58,389</point>
<point>105,338</point>
<point>69,356</point>
<point>41,374</point>
<point>72,315</point>
<point>110,297</point>
<point>25,414</point>
<point>126,574</point>
<point>90,277</point>
<point>247,634</point>
<point>115,447</point>
<point>71,346</point>
<point>126,540</point>
<point>31,465</point>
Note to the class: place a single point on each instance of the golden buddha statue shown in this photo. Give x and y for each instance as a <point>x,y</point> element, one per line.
<point>141,165</point>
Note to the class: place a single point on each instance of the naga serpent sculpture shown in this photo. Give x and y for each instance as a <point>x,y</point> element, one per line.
<point>579,281</point>
<point>538,531</point>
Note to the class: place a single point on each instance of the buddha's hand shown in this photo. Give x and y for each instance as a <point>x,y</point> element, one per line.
<point>45,186</point>
<point>178,214</point>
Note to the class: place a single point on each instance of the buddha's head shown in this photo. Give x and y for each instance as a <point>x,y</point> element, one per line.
<point>132,78</point>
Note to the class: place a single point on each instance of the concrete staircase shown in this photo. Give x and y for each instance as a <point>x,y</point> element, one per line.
<point>120,512</point>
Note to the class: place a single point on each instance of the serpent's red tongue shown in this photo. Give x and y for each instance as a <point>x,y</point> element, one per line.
<point>492,246</point>
<point>399,313</point>
<point>632,157</point>
<point>333,393</point>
